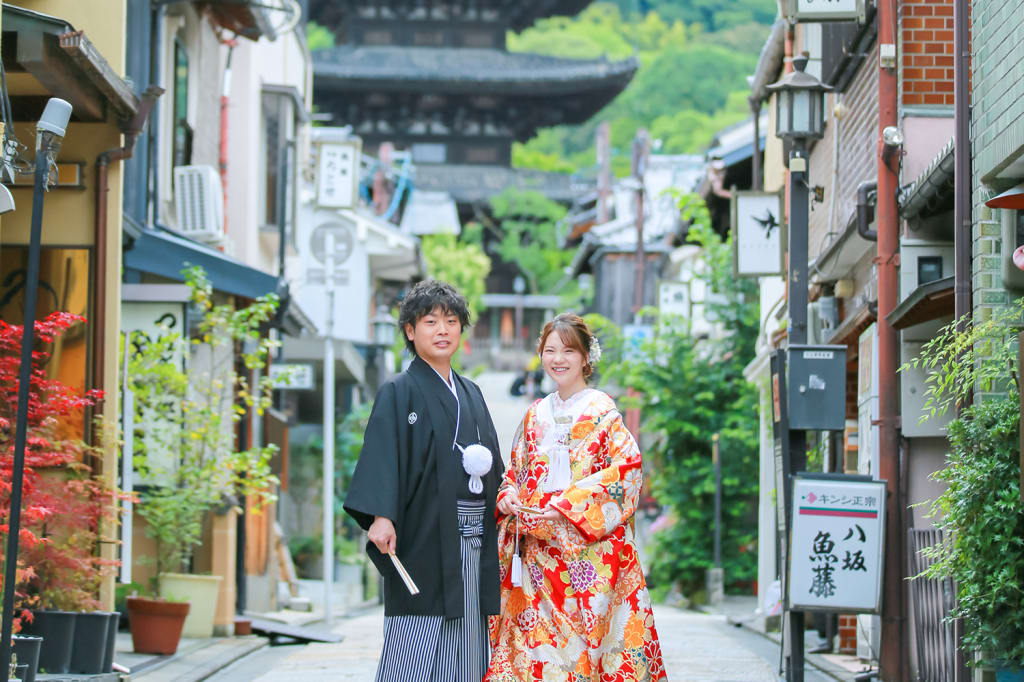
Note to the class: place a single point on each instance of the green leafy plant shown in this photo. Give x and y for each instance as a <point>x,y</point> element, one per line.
<point>185,419</point>
<point>980,511</point>
<point>691,389</point>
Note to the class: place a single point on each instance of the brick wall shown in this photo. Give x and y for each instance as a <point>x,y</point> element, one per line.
<point>926,42</point>
<point>847,634</point>
<point>997,135</point>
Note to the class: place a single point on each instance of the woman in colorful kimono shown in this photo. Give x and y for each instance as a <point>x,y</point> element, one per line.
<point>574,604</point>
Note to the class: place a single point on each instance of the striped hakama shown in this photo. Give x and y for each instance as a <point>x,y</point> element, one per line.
<point>432,649</point>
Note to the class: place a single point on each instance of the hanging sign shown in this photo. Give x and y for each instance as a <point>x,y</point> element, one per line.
<point>758,234</point>
<point>293,376</point>
<point>825,10</point>
<point>337,178</point>
<point>836,548</point>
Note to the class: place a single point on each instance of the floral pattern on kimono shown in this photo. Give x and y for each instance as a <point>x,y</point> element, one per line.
<point>582,613</point>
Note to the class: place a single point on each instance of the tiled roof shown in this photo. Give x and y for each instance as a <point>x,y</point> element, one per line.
<point>481,70</point>
<point>468,183</point>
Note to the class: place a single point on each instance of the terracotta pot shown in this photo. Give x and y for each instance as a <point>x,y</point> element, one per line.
<point>155,624</point>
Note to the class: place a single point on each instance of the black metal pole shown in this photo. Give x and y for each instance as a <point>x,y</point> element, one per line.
<point>21,432</point>
<point>797,302</point>
<point>717,461</point>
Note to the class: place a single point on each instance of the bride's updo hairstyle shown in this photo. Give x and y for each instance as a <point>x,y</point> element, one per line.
<point>574,333</point>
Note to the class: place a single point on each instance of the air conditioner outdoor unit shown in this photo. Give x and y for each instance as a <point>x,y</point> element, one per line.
<point>199,203</point>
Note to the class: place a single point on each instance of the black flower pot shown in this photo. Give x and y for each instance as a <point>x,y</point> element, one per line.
<point>113,622</point>
<point>90,644</point>
<point>57,628</point>
<point>26,648</point>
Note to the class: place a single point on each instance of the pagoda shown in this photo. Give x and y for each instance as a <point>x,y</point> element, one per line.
<point>434,78</point>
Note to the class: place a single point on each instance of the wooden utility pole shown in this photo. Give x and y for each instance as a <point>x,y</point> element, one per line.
<point>641,151</point>
<point>603,144</point>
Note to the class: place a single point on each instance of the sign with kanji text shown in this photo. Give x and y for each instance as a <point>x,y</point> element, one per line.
<point>337,178</point>
<point>835,558</point>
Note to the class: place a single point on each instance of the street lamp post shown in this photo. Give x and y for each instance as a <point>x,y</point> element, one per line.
<point>384,328</point>
<point>49,135</point>
<point>519,287</point>
<point>800,118</point>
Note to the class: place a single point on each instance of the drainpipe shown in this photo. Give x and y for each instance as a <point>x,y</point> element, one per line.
<point>225,99</point>
<point>756,183</point>
<point>892,659</point>
<point>962,227</point>
<point>131,131</point>
<point>864,211</point>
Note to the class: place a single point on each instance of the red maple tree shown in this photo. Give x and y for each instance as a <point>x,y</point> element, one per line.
<point>63,504</point>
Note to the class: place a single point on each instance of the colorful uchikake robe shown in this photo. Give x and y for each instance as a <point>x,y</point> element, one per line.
<point>583,613</point>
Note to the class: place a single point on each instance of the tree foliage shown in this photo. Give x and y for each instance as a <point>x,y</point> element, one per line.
<point>689,390</point>
<point>694,60</point>
<point>460,263</point>
<point>528,236</point>
<point>185,419</point>
<point>980,510</point>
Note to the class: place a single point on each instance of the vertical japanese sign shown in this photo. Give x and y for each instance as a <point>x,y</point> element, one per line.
<point>836,551</point>
<point>337,179</point>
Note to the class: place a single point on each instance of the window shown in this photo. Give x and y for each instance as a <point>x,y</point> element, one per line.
<point>181,143</point>
<point>428,38</point>
<point>481,154</point>
<point>929,269</point>
<point>424,152</point>
<point>478,38</point>
<point>277,153</point>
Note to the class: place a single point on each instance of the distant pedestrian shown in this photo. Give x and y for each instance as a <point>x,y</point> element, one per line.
<point>574,602</point>
<point>424,488</point>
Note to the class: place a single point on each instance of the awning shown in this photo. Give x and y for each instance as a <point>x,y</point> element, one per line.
<point>161,252</point>
<point>849,330</point>
<point>533,301</point>
<point>927,302</point>
<point>65,63</point>
<point>932,192</point>
<point>430,213</point>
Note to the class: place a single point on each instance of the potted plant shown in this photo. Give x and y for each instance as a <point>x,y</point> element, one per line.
<point>980,511</point>
<point>307,553</point>
<point>189,394</point>
<point>59,570</point>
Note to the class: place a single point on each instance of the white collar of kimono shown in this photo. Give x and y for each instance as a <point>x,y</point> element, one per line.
<point>556,417</point>
<point>449,382</point>
<point>476,458</point>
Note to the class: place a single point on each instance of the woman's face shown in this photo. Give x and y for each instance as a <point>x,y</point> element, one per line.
<point>564,364</point>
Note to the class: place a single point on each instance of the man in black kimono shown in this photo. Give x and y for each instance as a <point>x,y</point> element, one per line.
<point>412,494</point>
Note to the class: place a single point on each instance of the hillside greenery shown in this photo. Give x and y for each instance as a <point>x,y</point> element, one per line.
<point>694,55</point>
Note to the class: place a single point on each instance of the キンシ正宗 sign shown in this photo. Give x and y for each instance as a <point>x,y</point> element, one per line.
<point>836,553</point>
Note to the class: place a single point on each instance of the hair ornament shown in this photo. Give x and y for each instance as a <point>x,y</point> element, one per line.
<point>595,351</point>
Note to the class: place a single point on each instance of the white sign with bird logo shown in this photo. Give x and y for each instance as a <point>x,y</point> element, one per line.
<point>758,228</point>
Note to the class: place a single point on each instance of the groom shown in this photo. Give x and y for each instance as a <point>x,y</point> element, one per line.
<point>412,493</point>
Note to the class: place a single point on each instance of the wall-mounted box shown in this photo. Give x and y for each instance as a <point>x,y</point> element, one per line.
<point>817,387</point>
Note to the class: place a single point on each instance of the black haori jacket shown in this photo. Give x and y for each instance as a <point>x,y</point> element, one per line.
<point>409,473</point>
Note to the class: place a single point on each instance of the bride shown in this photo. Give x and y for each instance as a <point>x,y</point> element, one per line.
<point>574,604</point>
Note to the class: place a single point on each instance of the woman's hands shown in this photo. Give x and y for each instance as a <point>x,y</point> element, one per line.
<point>550,512</point>
<point>509,502</point>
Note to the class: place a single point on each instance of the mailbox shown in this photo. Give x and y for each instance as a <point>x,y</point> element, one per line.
<point>817,387</point>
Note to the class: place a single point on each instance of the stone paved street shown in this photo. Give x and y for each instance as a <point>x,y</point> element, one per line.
<point>697,647</point>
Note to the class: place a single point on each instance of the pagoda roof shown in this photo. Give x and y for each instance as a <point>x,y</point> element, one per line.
<point>471,183</point>
<point>520,14</point>
<point>470,70</point>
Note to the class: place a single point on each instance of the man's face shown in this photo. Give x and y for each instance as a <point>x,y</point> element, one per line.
<point>436,336</point>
